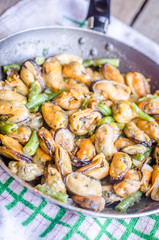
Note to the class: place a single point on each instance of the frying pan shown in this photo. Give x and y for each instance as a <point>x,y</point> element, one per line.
<point>87,44</point>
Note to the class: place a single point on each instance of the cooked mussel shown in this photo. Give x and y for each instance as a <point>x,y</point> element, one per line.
<point>122,143</point>
<point>150,106</point>
<point>135,149</point>
<point>34,121</point>
<point>138,84</point>
<point>52,178</point>
<point>4,85</point>
<point>94,74</point>
<point>94,203</point>
<point>129,185</point>
<point>14,82</point>
<point>95,98</point>
<point>52,74</point>
<point>30,72</point>
<point>120,164</point>
<point>15,111</point>
<point>155,183</point>
<point>11,95</point>
<point>133,132</point>
<point>86,149</point>
<point>154,190</point>
<point>73,84</point>
<point>156,153</point>
<point>146,173</point>
<point>78,162</point>
<point>86,191</point>
<point>84,121</point>
<point>78,183</point>
<point>11,143</point>
<point>111,90</point>
<point>149,128</point>
<point>111,73</point>
<point>104,141</point>
<point>70,100</point>
<point>26,171</point>
<point>64,138</point>
<point>66,58</point>
<point>41,157</point>
<point>109,195</point>
<point>76,71</point>
<point>22,134</point>
<point>62,161</point>
<point>116,130</point>
<point>123,112</point>
<point>13,149</point>
<point>54,116</point>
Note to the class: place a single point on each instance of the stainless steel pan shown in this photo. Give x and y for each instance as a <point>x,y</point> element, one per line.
<point>85,43</point>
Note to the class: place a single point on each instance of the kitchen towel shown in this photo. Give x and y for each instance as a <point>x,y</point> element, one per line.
<point>25,216</point>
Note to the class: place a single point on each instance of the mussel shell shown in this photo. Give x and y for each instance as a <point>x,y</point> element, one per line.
<point>156,117</point>
<point>9,153</point>
<point>78,162</point>
<point>156,154</point>
<point>46,141</point>
<point>144,143</point>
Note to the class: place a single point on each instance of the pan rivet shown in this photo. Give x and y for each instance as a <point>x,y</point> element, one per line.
<point>81,40</point>
<point>93,51</point>
<point>109,47</point>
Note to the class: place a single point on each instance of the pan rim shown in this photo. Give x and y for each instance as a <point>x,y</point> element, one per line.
<point>49,199</point>
<point>76,29</point>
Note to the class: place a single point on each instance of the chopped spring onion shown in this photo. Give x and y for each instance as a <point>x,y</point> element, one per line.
<point>99,61</point>
<point>141,113</point>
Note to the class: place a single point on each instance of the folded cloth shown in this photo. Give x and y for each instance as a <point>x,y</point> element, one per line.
<point>23,215</point>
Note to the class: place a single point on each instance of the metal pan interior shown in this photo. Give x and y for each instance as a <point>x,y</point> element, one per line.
<point>87,44</point>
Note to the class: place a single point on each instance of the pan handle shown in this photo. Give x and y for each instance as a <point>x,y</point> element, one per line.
<point>99,15</point>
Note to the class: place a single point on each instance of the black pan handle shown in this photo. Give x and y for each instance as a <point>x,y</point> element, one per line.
<point>99,15</point>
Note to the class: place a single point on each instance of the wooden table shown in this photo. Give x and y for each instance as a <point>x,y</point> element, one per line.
<point>142,15</point>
